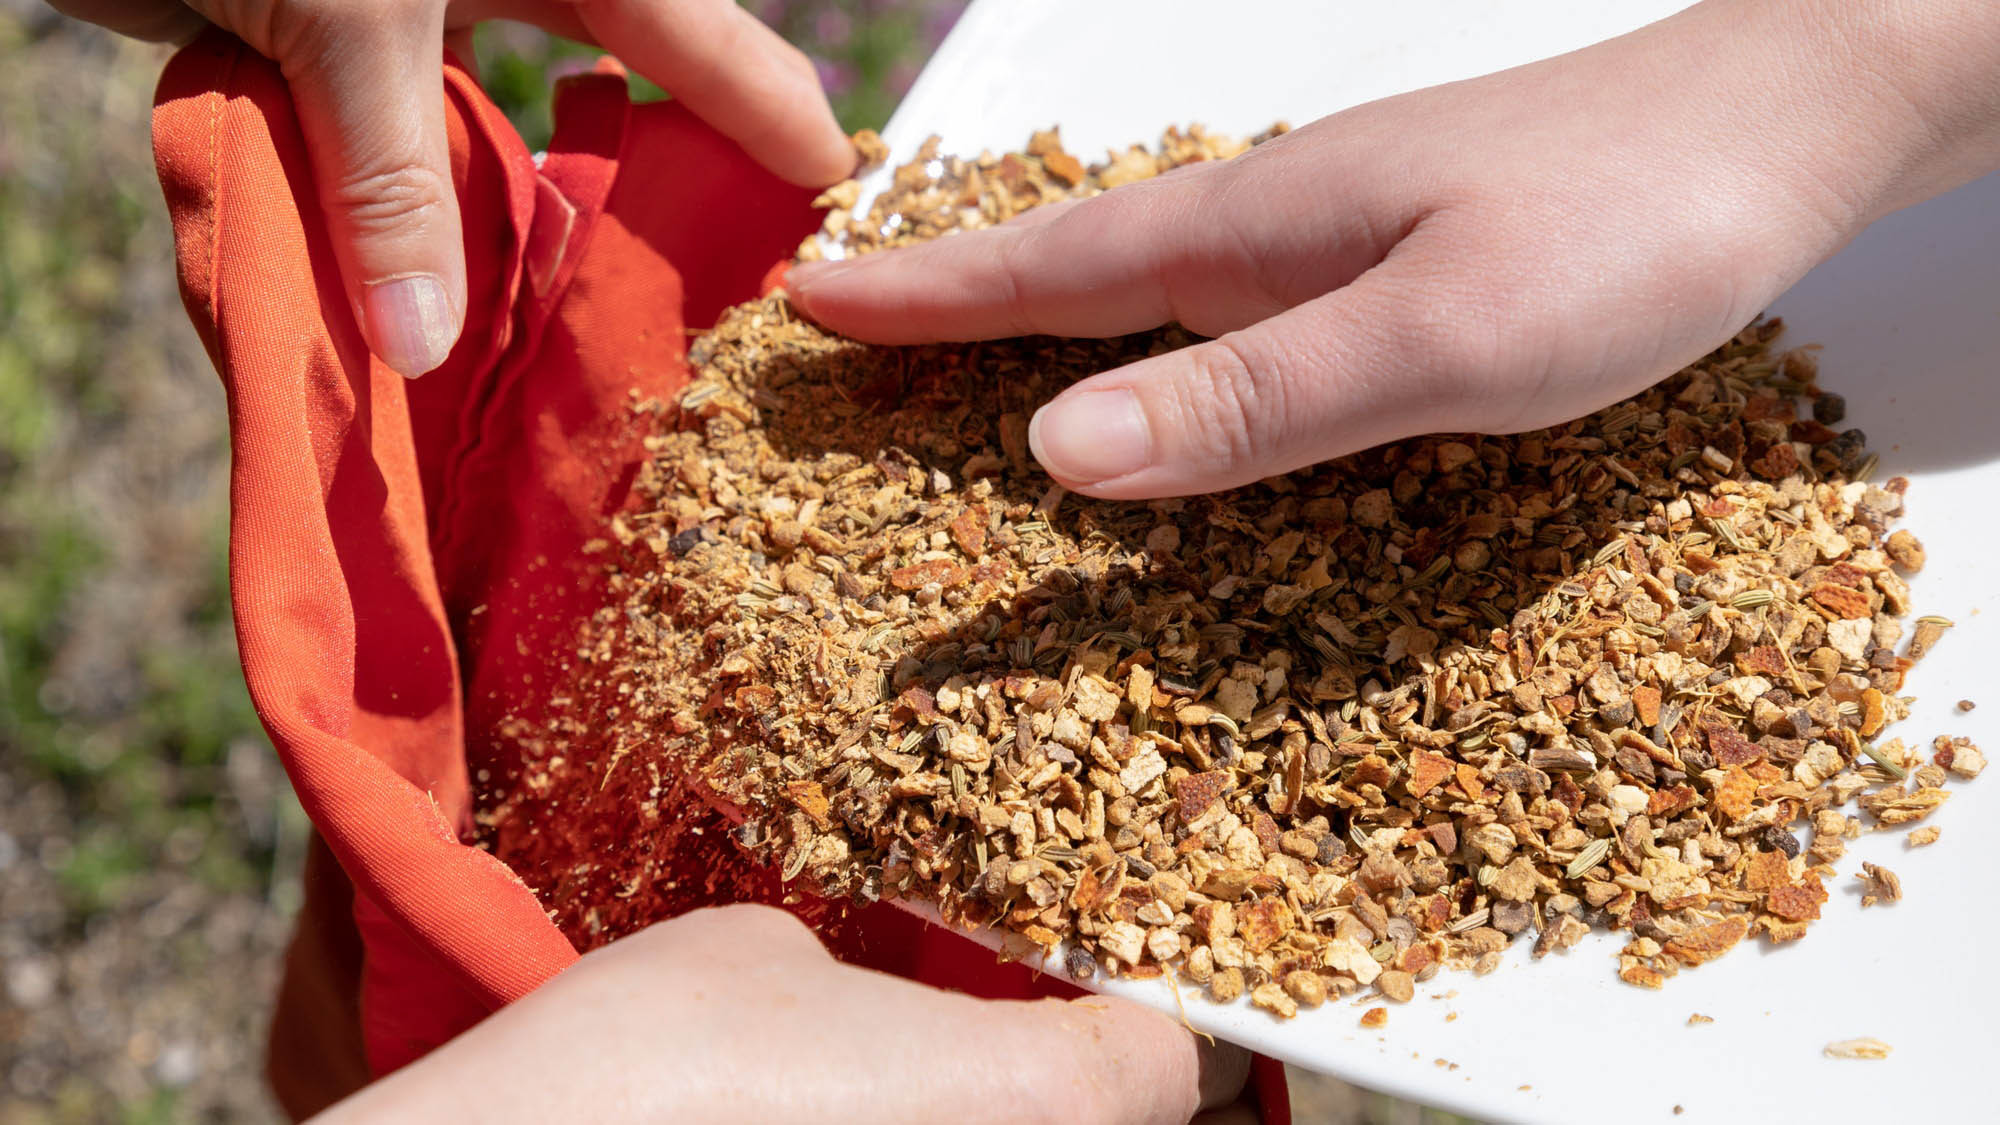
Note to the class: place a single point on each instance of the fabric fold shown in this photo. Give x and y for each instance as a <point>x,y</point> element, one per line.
<point>407,559</point>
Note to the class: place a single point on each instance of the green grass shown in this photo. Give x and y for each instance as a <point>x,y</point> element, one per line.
<point>866,51</point>
<point>89,334</point>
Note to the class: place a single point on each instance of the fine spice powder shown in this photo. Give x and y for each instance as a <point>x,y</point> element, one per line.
<point>1331,732</point>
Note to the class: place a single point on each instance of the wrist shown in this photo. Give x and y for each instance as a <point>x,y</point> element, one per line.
<point>1899,99</point>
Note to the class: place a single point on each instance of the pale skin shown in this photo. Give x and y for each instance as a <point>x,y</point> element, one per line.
<point>738,1015</point>
<point>370,97</point>
<point>1491,255</point>
<point>722,1015</point>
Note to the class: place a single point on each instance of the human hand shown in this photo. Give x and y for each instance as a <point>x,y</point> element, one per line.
<point>370,95</point>
<point>1493,255</point>
<point>738,1014</point>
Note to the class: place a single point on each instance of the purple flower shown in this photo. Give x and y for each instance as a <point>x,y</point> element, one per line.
<point>939,21</point>
<point>832,27</point>
<point>519,38</point>
<point>837,77</point>
<point>771,12</point>
<point>569,67</point>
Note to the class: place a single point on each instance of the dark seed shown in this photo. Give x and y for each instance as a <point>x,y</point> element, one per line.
<point>1078,962</point>
<point>686,541</point>
<point>1848,448</point>
<point>1829,409</point>
<point>1777,839</point>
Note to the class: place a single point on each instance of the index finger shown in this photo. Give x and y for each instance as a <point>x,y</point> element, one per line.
<point>734,73</point>
<point>1100,267</point>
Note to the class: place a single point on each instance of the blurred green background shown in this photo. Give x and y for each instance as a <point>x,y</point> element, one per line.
<point>149,845</point>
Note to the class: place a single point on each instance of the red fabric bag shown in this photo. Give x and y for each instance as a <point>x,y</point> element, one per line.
<point>404,555</point>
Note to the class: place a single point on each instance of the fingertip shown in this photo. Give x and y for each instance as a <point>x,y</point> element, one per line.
<point>861,297</point>
<point>1087,437</point>
<point>826,160</point>
<point>411,323</point>
<point>802,280</point>
<point>370,96</point>
<point>1154,1066</point>
<point>1225,1070</point>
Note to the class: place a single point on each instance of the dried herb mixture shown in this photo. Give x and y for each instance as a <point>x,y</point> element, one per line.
<point>1326,733</point>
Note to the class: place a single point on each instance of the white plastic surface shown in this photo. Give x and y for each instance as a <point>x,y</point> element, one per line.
<point>1910,319</point>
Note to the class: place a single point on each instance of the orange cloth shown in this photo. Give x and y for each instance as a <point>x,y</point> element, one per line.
<point>403,556</point>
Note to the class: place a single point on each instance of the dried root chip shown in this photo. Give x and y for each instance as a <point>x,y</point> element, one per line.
<point>1308,988</point>
<point>1397,985</point>
<point>1706,943</point>
<point>1375,1017</point>
<point>1926,633</point>
<point>1634,971</point>
<point>1226,986</point>
<point>1958,756</point>
<point>1857,1049</point>
<point>1905,551</point>
<point>868,145</point>
<point>1273,998</point>
<point>1797,902</point>
<point>1879,884</point>
<point>1894,806</point>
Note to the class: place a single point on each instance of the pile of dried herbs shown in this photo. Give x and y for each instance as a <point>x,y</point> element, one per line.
<point>1326,733</point>
<point>933,195</point>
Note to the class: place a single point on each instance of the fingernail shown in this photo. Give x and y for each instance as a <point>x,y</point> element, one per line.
<point>1092,436</point>
<point>410,323</point>
<point>805,274</point>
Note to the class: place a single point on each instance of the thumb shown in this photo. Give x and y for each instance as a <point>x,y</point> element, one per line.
<point>369,89</point>
<point>1377,360</point>
<point>1127,1063</point>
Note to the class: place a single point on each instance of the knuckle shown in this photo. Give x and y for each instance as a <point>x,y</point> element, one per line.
<point>387,199</point>
<point>289,32</point>
<point>1226,403</point>
<point>263,26</point>
<point>315,32</point>
<point>760,921</point>
<point>1018,263</point>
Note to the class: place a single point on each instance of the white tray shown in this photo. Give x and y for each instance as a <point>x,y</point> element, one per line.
<point>1910,319</point>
